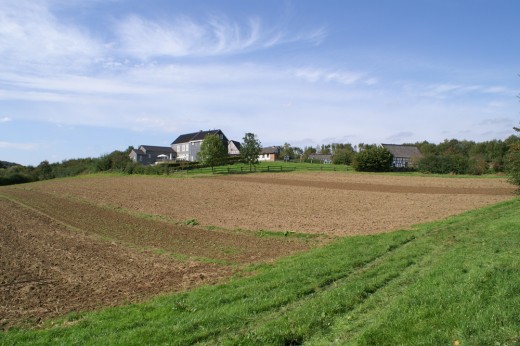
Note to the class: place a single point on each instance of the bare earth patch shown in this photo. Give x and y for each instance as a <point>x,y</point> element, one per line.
<point>330,203</point>
<point>48,270</point>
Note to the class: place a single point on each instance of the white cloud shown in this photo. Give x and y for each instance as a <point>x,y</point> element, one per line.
<point>5,120</point>
<point>183,36</point>
<point>17,146</point>
<point>31,37</point>
<point>442,91</point>
<point>337,76</point>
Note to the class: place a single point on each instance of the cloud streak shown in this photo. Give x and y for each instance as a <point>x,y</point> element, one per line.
<point>17,146</point>
<point>183,36</point>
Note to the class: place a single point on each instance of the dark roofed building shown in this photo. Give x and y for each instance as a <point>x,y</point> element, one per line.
<point>269,153</point>
<point>404,155</point>
<point>234,147</point>
<point>323,158</point>
<point>187,146</point>
<point>150,154</point>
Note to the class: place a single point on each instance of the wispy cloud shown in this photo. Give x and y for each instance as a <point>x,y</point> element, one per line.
<point>17,146</point>
<point>5,120</point>
<point>497,121</point>
<point>399,137</point>
<point>336,76</point>
<point>184,36</point>
<point>31,36</point>
<point>446,90</point>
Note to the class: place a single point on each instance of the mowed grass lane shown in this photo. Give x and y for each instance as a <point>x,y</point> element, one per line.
<point>441,282</point>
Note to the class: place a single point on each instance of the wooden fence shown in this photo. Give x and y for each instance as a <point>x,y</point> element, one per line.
<point>260,168</point>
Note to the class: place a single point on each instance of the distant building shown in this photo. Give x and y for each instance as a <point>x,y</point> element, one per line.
<point>187,146</point>
<point>150,154</point>
<point>323,158</point>
<point>234,148</point>
<point>404,155</point>
<point>269,154</point>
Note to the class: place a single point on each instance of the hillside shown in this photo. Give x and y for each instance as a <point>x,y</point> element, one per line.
<point>211,260</point>
<point>5,164</point>
<point>446,281</point>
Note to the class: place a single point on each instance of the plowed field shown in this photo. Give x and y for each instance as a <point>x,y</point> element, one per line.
<point>80,244</point>
<point>324,203</point>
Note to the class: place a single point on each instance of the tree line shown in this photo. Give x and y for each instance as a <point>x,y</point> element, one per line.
<point>448,157</point>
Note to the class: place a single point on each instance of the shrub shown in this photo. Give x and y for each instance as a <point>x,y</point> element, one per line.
<point>455,164</point>
<point>513,163</point>
<point>373,159</point>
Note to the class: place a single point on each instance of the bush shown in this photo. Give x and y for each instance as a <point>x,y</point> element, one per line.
<point>343,157</point>
<point>477,166</point>
<point>14,178</point>
<point>513,163</point>
<point>455,164</point>
<point>373,159</point>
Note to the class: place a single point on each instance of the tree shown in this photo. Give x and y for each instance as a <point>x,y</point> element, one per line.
<point>343,156</point>
<point>212,151</point>
<point>373,159</point>
<point>308,151</point>
<point>513,160</point>
<point>287,151</point>
<point>44,170</point>
<point>250,149</point>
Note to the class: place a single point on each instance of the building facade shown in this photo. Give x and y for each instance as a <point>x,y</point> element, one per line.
<point>187,146</point>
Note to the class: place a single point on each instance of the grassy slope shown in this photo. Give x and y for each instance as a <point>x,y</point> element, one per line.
<point>455,279</point>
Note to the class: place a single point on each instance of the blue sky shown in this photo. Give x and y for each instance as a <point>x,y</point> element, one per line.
<point>81,78</point>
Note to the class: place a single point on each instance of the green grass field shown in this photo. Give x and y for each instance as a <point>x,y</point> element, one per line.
<point>277,166</point>
<point>456,279</point>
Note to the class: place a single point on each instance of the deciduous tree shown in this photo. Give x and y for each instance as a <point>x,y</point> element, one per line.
<point>250,150</point>
<point>212,151</point>
<point>513,161</point>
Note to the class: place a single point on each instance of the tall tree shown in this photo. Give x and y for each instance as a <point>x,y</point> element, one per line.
<point>212,151</point>
<point>513,161</point>
<point>287,151</point>
<point>250,150</point>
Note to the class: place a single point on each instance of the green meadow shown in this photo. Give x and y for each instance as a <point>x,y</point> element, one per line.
<point>452,281</point>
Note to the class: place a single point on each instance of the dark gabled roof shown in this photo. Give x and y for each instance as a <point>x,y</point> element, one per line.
<point>195,136</point>
<point>270,150</point>
<point>320,156</point>
<point>156,149</point>
<point>399,150</point>
<point>237,144</point>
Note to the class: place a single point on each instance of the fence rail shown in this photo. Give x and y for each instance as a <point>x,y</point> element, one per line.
<point>271,168</point>
<point>260,168</point>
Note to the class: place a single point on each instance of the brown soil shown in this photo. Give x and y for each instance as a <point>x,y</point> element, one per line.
<point>48,270</point>
<point>80,244</point>
<point>325,203</point>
